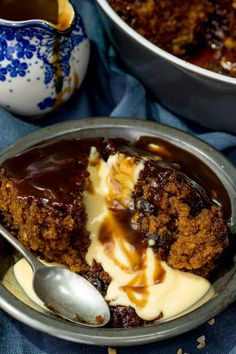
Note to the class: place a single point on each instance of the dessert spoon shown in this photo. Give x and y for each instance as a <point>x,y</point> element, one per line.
<point>65,293</point>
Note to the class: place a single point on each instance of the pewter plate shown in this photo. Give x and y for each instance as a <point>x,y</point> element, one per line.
<point>16,303</point>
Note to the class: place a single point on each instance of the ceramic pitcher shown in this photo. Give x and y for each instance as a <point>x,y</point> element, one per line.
<point>42,63</point>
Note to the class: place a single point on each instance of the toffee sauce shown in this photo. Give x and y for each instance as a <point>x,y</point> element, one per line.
<point>52,173</point>
<point>24,10</point>
<point>118,228</point>
<point>193,168</point>
<point>222,61</point>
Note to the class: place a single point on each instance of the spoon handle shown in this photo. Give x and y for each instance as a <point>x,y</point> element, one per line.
<point>35,264</point>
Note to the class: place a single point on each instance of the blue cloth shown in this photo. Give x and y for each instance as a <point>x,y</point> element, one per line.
<point>109,90</point>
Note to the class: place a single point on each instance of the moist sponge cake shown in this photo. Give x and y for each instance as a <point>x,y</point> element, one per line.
<point>176,217</point>
<point>41,201</point>
<point>179,220</point>
<point>123,217</point>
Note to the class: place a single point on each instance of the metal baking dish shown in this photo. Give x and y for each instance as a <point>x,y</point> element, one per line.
<point>201,95</point>
<point>215,167</point>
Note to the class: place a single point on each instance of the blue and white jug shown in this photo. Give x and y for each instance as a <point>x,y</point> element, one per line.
<point>44,54</point>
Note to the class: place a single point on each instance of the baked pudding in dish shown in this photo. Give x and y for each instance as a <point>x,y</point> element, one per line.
<point>125,216</point>
<point>202,32</point>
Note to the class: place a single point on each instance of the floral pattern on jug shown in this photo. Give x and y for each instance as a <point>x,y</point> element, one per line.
<point>40,67</point>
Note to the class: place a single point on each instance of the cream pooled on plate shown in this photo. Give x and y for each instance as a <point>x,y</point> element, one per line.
<point>139,278</point>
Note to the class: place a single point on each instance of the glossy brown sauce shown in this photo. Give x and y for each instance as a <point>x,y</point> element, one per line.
<point>57,12</point>
<point>212,58</point>
<point>193,167</point>
<point>51,173</point>
<point>23,10</point>
<point>204,56</point>
<point>118,228</point>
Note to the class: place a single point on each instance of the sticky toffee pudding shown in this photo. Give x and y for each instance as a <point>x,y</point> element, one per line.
<point>202,32</point>
<point>125,216</point>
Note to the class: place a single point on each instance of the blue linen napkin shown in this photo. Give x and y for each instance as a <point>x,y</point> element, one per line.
<point>109,90</point>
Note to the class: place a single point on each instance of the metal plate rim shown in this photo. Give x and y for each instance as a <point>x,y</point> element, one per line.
<point>134,336</point>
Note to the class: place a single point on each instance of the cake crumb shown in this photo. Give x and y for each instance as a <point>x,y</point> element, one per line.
<point>151,243</point>
<point>112,351</point>
<point>201,342</point>
<point>201,339</point>
<point>211,322</point>
<point>201,345</point>
<point>179,351</point>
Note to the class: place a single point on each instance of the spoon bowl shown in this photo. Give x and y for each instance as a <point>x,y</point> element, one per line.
<point>71,296</point>
<point>65,293</point>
